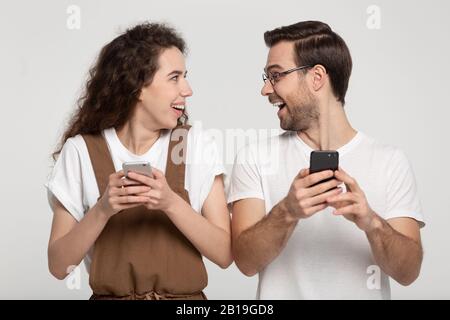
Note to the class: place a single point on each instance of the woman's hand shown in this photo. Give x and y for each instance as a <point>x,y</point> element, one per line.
<point>160,196</point>
<point>120,194</point>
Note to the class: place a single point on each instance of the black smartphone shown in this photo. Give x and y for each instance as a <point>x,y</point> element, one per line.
<point>323,160</point>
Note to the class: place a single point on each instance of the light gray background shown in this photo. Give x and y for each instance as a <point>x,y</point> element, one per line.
<point>398,94</point>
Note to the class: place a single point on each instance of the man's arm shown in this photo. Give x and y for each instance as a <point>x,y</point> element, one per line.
<point>397,248</point>
<point>257,238</point>
<point>395,244</point>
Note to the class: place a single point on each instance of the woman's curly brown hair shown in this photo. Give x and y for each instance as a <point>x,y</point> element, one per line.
<point>124,66</point>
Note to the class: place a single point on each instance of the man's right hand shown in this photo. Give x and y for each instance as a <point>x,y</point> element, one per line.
<point>305,197</point>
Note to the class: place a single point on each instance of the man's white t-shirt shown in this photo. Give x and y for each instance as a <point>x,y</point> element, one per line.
<point>72,180</point>
<point>327,256</point>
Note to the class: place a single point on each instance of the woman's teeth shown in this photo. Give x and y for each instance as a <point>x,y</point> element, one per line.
<point>178,107</point>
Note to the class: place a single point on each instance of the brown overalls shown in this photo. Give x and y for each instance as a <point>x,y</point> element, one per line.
<point>140,253</point>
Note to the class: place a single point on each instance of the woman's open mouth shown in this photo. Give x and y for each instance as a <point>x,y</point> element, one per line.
<point>178,109</point>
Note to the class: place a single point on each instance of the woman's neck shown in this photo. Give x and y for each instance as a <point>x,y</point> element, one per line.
<point>137,138</point>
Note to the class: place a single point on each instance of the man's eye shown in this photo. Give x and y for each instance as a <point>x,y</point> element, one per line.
<point>275,76</point>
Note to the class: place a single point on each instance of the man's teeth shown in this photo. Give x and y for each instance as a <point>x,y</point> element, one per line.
<point>278,104</point>
<point>179,107</point>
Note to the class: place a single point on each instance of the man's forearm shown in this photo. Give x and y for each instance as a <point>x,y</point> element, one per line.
<point>257,246</point>
<point>397,255</point>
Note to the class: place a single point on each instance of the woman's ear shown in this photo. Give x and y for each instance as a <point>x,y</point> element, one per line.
<point>141,94</point>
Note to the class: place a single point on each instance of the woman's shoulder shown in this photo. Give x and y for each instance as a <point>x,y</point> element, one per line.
<point>201,137</point>
<point>202,145</point>
<point>75,143</point>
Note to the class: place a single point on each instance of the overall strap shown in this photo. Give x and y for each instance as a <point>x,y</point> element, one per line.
<point>100,158</point>
<point>176,158</point>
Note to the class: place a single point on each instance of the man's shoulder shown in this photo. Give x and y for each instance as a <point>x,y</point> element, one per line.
<point>265,145</point>
<point>381,149</point>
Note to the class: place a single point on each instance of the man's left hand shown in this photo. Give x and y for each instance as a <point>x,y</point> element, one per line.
<point>353,204</point>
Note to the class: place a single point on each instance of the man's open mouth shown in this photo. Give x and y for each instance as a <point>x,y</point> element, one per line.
<point>280,104</point>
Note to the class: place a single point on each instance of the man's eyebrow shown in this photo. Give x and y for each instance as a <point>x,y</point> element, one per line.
<point>177,72</point>
<point>273,66</point>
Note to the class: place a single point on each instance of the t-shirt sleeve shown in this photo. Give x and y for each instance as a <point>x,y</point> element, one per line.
<point>245,181</point>
<point>204,164</point>
<point>65,181</point>
<point>402,194</point>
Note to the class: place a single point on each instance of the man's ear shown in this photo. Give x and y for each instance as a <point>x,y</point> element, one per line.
<point>320,76</point>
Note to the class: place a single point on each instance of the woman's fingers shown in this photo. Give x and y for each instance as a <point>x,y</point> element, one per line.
<point>124,182</point>
<point>129,182</point>
<point>129,206</point>
<point>119,182</point>
<point>132,199</point>
<point>145,180</point>
<point>157,173</point>
<point>132,190</point>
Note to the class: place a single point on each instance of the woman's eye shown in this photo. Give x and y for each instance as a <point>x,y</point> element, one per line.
<point>174,78</point>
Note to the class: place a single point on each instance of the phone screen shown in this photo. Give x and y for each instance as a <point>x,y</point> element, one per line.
<point>323,160</point>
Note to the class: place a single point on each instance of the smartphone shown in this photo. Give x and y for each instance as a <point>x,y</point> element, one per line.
<point>141,167</point>
<point>323,160</point>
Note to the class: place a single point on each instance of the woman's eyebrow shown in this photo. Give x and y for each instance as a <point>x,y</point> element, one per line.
<point>177,72</point>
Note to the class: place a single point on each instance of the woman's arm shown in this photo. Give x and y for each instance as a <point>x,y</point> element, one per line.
<point>209,232</point>
<point>70,240</point>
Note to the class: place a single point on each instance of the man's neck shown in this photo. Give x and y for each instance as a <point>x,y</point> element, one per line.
<point>332,131</point>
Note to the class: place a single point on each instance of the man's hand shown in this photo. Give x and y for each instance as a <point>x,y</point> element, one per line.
<point>305,198</point>
<point>353,204</point>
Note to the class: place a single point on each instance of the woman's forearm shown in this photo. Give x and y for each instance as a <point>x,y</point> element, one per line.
<point>212,241</point>
<point>70,250</point>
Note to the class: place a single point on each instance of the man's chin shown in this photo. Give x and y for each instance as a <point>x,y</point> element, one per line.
<point>285,126</point>
<point>293,127</point>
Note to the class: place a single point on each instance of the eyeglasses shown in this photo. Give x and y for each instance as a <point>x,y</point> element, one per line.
<point>276,76</point>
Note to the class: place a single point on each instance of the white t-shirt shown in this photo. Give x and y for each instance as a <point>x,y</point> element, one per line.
<point>327,256</point>
<point>72,180</point>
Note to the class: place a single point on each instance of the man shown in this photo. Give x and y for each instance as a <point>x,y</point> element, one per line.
<point>310,239</point>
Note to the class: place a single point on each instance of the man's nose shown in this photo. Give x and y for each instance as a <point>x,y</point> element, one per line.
<point>267,88</point>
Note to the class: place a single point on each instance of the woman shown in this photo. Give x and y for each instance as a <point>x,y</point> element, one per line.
<point>141,237</point>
